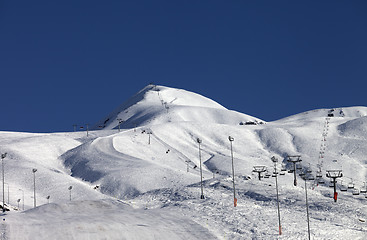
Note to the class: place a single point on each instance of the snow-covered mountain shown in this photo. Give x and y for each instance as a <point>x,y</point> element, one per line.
<point>155,105</point>
<point>145,178</point>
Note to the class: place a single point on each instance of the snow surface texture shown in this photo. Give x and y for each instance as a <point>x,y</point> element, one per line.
<point>143,182</point>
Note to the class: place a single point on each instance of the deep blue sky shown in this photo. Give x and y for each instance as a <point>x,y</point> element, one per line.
<point>73,62</point>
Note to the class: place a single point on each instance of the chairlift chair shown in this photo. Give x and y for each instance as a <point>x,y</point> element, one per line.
<point>351,185</point>
<point>299,167</point>
<point>319,174</point>
<point>355,191</point>
<point>283,168</point>
<point>321,181</point>
<point>343,188</point>
<point>282,173</point>
<point>364,188</point>
<point>290,171</point>
<point>311,178</point>
<point>331,184</point>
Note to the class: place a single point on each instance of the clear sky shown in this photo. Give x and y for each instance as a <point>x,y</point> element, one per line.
<point>73,62</point>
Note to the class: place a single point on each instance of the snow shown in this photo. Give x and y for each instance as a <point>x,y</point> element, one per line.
<point>156,105</point>
<point>83,220</point>
<point>128,184</point>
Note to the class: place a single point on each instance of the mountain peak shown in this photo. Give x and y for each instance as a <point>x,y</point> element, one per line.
<point>156,104</point>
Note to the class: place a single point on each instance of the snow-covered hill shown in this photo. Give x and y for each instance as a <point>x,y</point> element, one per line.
<point>155,105</point>
<point>145,179</point>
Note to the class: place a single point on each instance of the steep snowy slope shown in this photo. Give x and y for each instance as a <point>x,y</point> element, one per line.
<point>158,105</point>
<point>173,146</point>
<point>27,151</point>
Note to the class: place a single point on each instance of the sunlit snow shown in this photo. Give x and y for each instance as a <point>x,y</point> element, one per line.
<point>143,181</point>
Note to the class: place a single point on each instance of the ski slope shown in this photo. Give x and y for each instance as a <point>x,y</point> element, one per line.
<point>143,182</point>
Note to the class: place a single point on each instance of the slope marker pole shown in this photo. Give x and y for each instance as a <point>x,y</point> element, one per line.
<point>231,139</point>
<point>201,171</point>
<point>275,160</point>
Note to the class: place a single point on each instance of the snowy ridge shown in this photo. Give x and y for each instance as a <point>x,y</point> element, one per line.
<point>145,179</point>
<point>345,112</point>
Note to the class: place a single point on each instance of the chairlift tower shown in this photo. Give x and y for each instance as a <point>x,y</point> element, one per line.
<point>259,170</point>
<point>294,160</point>
<point>334,174</point>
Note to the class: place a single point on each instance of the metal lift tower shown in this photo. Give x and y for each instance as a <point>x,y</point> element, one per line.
<point>334,174</point>
<point>294,160</point>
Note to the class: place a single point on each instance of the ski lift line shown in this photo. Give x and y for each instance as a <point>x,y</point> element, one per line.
<point>351,186</point>
<point>355,182</point>
<point>323,140</point>
<point>320,165</point>
<point>310,168</point>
